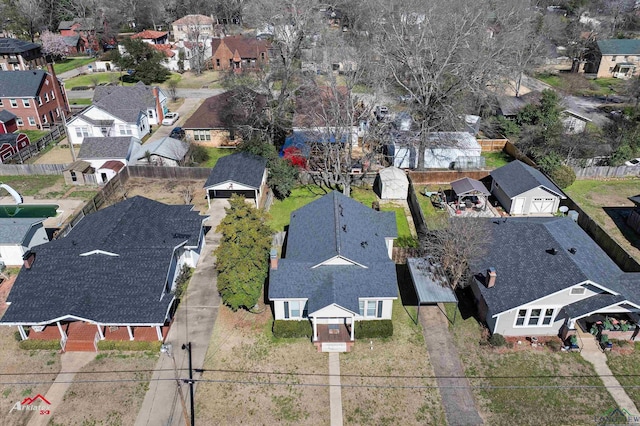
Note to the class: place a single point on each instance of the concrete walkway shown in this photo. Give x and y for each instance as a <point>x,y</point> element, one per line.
<point>194,321</point>
<point>71,362</point>
<point>592,353</point>
<point>335,389</point>
<point>455,390</point>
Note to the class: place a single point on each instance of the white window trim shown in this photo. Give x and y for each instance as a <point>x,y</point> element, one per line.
<point>32,121</point>
<point>365,306</point>
<point>287,304</point>
<point>26,103</point>
<point>14,103</point>
<point>19,122</point>
<point>46,97</point>
<point>540,319</point>
<point>53,94</point>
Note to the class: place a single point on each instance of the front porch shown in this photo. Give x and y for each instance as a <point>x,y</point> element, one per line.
<point>333,337</point>
<point>83,336</point>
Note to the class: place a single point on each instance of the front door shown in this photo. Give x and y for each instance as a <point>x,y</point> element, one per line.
<point>518,206</point>
<point>104,177</point>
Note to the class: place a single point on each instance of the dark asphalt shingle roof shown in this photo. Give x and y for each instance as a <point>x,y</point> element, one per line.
<point>13,45</point>
<point>241,167</point>
<point>519,249</point>
<point>517,177</point>
<point>592,304</point>
<point>108,147</point>
<point>619,47</point>
<point>127,288</point>
<point>469,186</point>
<point>125,102</point>
<point>13,230</point>
<point>21,84</point>
<point>336,225</point>
<point>10,138</point>
<point>6,116</point>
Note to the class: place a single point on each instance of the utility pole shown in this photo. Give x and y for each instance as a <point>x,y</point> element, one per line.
<point>187,346</point>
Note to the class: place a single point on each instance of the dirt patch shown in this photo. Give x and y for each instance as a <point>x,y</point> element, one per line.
<point>109,390</point>
<point>59,154</point>
<point>169,191</point>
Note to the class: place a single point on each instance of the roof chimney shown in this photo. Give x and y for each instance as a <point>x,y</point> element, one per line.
<point>28,258</point>
<point>273,259</point>
<point>159,110</point>
<point>573,250</point>
<point>491,277</point>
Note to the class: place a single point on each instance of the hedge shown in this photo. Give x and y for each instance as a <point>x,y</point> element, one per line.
<point>39,344</point>
<point>374,329</point>
<point>129,345</point>
<point>290,329</point>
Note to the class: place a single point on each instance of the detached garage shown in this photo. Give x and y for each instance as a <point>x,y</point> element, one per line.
<point>523,190</point>
<point>241,174</point>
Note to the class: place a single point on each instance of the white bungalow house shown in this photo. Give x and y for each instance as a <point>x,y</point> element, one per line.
<point>113,277</point>
<point>337,269</point>
<point>523,190</point>
<point>109,155</point>
<point>120,111</point>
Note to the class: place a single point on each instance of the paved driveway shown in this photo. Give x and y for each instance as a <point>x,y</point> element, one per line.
<point>186,109</point>
<point>193,322</point>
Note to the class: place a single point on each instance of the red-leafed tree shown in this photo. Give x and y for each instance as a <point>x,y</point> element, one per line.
<point>295,157</point>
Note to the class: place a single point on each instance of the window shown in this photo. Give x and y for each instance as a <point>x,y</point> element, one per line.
<point>370,308</point>
<point>82,132</point>
<point>39,100</point>
<point>46,97</point>
<point>32,121</point>
<point>1,103</point>
<point>534,318</point>
<point>44,118</point>
<point>522,314</point>
<point>613,59</point>
<point>19,122</point>
<point>295,309</point>
<point>575,291</point>
<point>548,316</point>
<point>14,103</point>
<point>74,178</point>
<point>217,62</point>
<point>53,94</point>
<point>26,103</point>
<point>124,130</point>
<point>57,112</point>
<point>201,135</point>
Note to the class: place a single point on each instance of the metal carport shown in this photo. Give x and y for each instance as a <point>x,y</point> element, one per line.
<point>431,283</point>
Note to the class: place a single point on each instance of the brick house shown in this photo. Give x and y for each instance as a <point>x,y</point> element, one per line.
<point>19,55</point>
<point>84,29</point>
<point>186,27</point>
<point>619,58</point>
<point>37,98</point>
<point>239,53</point>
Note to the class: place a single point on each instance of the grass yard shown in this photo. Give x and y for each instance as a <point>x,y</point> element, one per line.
<point>114,402</point>
<point>189,80</point>
<point>626,368</point>
<point>215,154</point>
<point>522,367</point>
<point>34,135</point>
<point>578,85</point>
<point>551,79</point>
<point>34,184</point>
<point>71,64</point>
<point>496,159</point>
<point>434,218</point>
<point>83,101</point>
<point>91,80</point>
<point>280,211</point>
<point>606,202</point>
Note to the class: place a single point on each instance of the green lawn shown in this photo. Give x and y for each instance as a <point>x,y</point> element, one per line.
<point>215,154</point>
<point>496,159</point>
<point>435,218</point>
<point>32,184</point>
<point>280,211</point>
<point>91,80</point>
<point>535,384</point>
<point>550,79</point>
<point>83,101</point>
<point>71,63</point>
<point>34,135</point>
<point>626,368</point>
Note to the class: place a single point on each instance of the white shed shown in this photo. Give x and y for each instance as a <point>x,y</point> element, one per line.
<point>451,149</point>
<point>392,184</point>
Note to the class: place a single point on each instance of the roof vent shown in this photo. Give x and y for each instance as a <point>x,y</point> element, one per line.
<point>344,228</point>
<point>553,251</point>
<point>573,250</point>
<point>364,244</point>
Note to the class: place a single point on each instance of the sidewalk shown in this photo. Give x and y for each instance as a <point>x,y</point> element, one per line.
<point>335,389</point>
<point>193,322</point>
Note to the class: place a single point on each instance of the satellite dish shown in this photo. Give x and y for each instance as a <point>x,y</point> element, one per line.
<point>563,209</point>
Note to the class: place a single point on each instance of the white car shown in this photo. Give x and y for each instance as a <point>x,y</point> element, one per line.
<point>170,118</point>
<point>633,162</point>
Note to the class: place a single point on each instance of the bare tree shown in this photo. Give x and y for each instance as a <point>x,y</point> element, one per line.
<point>456,245</point>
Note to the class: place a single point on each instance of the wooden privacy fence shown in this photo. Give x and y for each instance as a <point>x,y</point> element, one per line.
<point>426,177</point>
<point>159,172</point>
<point>57,132</point>
<point>489,145</point>
<point>31,169</point>
<point>607,172</point>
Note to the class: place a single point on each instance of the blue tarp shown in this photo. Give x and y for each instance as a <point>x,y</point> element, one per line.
<point>302,139</point>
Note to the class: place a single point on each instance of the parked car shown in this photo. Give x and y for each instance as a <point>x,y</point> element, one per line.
<point>381,112</point>
<point>633,162</point>
<point>177,133</point>
<point>170,118</point>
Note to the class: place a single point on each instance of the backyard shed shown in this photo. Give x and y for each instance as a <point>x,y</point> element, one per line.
<point>391,184</point>
<point>79,173</point>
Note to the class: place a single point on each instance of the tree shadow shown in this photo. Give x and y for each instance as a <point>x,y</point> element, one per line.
<point>619,216</point>
<point>466,304</point>
<point>408,294</point>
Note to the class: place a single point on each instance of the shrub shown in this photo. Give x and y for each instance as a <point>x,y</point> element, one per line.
<point>497,340</point>
<point>555,345</point>
<point>183,281</point>
<point>292,329</point>
<point>374,329</point>
<point>406,241</point>
<point>81,88</point>
<point>199,154</point>
<point>129,345</point>
<point>39,345</point>
<point>563,176</point>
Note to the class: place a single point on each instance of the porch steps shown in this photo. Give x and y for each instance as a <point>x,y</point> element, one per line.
<point>79,346</point>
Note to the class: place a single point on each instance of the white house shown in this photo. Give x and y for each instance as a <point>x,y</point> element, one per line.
<point>17,235</point>
<point>109,155</point>
<point>337,269</point>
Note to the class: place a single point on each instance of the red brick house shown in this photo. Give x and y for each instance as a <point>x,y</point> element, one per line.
<point>239,53</point>
<point>7,122</point>
<point>84,29</point>
<point>11,143</point>
<point>20,55</point>
<point>37,98</point>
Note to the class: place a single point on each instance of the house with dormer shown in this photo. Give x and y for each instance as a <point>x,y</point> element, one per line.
<point>113,277</point>
<point>337,269</point>
<point>120,111</point>
<point>20,55</point>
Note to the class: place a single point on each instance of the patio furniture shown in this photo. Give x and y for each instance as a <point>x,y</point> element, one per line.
<point>334,329</point>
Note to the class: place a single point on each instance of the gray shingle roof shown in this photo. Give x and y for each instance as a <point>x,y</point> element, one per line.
<point>13,45</point>
<point>519,249</point>
<point>108,147</point>
<point>241,167</point>
<point>517,177</point>
<point>166,147</point>
<point>122,289</point>
<point>13,230</point>
<point>619,47</point>
<point>125,102</point>
<point>10,138</point>
<point>6,116</point>
<point>335,225</point>
<point>592,304</point>
<point>469,186</point>
<point>21,84</point>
